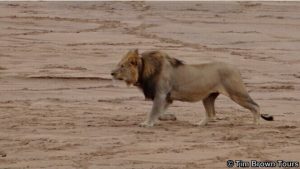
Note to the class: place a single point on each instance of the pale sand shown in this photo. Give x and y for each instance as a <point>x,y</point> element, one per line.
<point>60,110</point>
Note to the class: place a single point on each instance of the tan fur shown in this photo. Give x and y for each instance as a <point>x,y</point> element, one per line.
<point>164,79</point>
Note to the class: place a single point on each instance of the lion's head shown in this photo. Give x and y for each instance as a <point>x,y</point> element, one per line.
<point>127,68</point>
<point>144,72</point>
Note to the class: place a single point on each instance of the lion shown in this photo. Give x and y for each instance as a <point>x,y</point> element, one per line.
<point>164,79</point>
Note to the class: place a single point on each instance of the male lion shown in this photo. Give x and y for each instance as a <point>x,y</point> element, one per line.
<point>164,79</point>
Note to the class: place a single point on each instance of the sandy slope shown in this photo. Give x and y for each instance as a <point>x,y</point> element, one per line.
<point>59,109</point>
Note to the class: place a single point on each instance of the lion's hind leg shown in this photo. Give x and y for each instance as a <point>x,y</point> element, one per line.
<point>235,89</point>
<point>246,101</point>
<point>211,104</point>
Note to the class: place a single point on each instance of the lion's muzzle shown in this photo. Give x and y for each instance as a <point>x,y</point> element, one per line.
<point>116,75</point>
<point>113,74</point>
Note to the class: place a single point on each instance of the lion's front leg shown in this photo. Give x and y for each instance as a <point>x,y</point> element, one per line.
<point>158,108</point>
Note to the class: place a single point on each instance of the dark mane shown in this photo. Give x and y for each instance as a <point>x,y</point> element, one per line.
<point>149,70</point>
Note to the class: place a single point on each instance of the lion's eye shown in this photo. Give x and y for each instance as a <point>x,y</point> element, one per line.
<point>132,63</point>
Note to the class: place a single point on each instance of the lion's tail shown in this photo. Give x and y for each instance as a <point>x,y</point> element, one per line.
<point>267,117</point>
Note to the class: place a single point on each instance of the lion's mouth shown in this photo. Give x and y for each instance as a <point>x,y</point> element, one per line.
<point>128,82</point>
<point>118,78</point>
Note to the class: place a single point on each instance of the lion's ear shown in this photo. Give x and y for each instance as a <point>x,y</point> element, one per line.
<point>134,62</point>
<point>136,51</point>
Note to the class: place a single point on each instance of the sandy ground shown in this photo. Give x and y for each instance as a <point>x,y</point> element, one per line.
<point>60,110</point>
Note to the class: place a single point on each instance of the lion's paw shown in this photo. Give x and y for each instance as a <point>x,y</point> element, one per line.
<point>146,124</point>
<point>215,119</point>
<point>167,117</point>
<point>202,123</point>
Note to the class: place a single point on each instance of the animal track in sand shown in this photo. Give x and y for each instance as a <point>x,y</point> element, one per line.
<point>278,87</point>
<point>68,77</point>
<point>54,66</point>
<point>2,68</point>
<point>56,18</point>
<point>140,6</point>
<point>241,32</point>
<point>287,127</point>
<point>107,43</point>
<point>140,31</point>
<point>27,33</point>
<point>119,100</point>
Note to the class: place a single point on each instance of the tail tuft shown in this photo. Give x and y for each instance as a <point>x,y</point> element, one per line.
<point>267,117</point>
